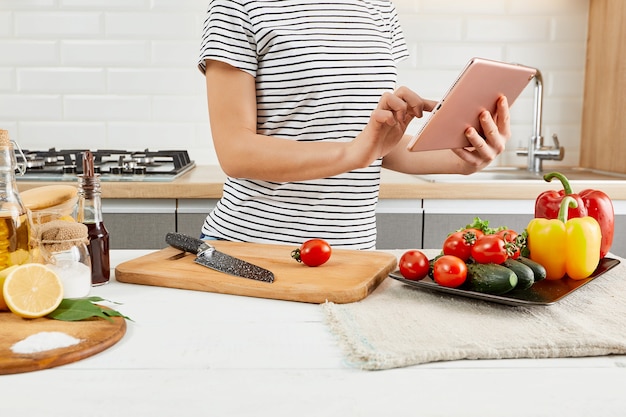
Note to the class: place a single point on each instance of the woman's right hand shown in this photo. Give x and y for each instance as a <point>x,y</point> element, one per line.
<point>388,123</point>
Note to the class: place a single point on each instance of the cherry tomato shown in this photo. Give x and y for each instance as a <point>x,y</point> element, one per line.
<point>449,271</point>
<point>489,249</point>
<point>510,238</point>
<point>313,252</point>
<point>460,244</point>
<point>413,265</point>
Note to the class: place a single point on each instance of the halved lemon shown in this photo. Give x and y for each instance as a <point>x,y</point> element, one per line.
<point>3,275</point>
<point>32,290</point>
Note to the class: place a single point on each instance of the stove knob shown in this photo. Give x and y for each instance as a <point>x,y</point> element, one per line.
<point>116,170</point>
<point>69,169</point>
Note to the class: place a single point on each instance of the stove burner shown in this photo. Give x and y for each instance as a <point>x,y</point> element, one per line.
<point>112,165</point>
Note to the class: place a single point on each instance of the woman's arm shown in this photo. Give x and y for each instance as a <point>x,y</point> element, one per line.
<point>245,154</point>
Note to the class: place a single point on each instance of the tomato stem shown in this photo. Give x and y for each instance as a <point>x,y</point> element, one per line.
<point>295,254</point>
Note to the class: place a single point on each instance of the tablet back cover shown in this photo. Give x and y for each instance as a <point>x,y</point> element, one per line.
<point>478,88</point>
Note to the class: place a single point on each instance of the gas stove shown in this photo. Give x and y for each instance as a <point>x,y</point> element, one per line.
<point>112,165</point>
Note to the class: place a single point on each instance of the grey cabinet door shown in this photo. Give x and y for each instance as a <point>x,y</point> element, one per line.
<point>190,215</point>
<point>399,224</point>
<point>139,223</point>
<point>444,216</point>
<point>437,226</point>
<point>399,231</point>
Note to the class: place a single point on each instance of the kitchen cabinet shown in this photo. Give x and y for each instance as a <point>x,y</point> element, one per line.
<point>603,139</point>
<point>138,223</point>
<point>402,223</point>
<point>190,214</point>
<point>443,216</point>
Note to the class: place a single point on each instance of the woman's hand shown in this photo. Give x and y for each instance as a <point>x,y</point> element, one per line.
<point>482,152</point>
<point>388,122</point>
<point>497,130</point>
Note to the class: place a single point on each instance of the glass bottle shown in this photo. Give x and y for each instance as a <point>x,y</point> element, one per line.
<point>63,247</point>
<point>14,222</point>
<point>89,212</point>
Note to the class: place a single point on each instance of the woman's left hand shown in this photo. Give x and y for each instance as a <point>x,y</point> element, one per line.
<point>497,131</point>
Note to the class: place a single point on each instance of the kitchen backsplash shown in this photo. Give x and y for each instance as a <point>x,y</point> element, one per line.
<point>122,73</point>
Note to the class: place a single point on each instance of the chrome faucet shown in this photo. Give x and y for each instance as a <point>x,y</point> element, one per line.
<point>536,151</point>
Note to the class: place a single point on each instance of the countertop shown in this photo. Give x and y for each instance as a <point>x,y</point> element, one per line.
<point>206,182</point>
<point>196,353</point>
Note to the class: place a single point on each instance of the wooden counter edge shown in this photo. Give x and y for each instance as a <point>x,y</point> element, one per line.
<point>206,182</point>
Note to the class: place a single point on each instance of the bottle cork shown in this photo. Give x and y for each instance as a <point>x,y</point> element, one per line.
<point>5,139</point>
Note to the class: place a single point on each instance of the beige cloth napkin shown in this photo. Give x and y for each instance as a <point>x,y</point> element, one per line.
<point>398,325</point>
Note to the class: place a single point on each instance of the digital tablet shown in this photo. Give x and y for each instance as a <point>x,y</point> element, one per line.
<point>478,88</point>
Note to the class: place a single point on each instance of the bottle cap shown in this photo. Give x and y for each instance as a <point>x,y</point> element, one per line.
<point>59,235</point>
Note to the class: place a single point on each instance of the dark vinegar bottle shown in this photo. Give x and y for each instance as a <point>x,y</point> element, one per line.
<point>89,212</point>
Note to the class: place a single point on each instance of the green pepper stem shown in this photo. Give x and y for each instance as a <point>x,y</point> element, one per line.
<point>566,203</point>
<point>566,185</point>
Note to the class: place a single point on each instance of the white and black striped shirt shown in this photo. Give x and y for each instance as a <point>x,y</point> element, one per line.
<point>320,68</point>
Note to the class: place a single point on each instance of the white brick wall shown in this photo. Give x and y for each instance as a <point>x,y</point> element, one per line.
<point>122,73</point>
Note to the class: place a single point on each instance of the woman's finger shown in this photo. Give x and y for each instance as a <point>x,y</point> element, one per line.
<point>415,102</point>
<point>503,117</point>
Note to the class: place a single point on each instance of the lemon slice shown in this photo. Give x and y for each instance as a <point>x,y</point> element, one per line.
<point>3,274</point>
<point>32,291</point>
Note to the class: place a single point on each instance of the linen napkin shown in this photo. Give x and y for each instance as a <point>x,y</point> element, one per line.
<point>399,325</point>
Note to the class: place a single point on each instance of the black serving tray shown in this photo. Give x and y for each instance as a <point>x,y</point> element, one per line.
<point>544,292</point>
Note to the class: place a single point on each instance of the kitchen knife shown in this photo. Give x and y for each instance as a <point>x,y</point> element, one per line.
<point>209,256</point>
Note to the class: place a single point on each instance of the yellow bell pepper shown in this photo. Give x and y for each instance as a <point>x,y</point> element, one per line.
<point>565,247</point>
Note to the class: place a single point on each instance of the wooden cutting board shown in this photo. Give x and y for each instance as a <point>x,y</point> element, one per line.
<point>95,336</point>
<point>348,276</point>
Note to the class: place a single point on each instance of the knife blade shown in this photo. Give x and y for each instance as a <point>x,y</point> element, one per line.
<point>207,255</point>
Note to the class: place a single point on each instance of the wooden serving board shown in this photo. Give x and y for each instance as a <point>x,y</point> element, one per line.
<point>348,276</point>
<point>96,335</point>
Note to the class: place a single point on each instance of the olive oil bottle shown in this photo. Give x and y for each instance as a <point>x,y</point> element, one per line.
<point>14,222</point>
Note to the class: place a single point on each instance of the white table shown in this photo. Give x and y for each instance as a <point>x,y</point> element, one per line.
<point>195,353</point>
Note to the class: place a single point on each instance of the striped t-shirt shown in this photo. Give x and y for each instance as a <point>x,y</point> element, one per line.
<point>320,69</point>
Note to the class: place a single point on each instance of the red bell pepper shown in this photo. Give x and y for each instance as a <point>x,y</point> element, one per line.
<point>593,203</point>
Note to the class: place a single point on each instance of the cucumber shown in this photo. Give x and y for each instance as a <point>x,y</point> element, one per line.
<point>525,275</point>
<point>538,270</point>
<point>490,278</point>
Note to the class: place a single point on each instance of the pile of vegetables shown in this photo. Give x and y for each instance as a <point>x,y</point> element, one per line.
<point>480,258</point>
<point>567,238</point>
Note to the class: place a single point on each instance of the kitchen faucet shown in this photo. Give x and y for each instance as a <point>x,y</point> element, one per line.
<point>536,151</point>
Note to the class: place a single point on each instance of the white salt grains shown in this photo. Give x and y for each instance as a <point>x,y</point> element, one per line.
<point>42,341</point>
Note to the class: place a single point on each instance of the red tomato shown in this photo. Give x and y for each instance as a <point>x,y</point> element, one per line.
<point>449,271</point>
<point>460,244</point>
<point>414,265</point>
<point>510,238</point>
<point>314,252</point>
<point>477,232</point>
<point>489,249</point>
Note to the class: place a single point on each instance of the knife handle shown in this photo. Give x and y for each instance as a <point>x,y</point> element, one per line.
<point>186,243</point>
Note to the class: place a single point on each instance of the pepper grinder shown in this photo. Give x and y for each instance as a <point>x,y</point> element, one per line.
<point>89,212</point>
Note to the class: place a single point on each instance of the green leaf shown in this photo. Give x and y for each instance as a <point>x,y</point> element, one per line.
<point>77,309</point>
<point>483,225</point>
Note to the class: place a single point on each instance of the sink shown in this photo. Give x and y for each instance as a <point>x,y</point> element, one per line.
<point>521,174</point>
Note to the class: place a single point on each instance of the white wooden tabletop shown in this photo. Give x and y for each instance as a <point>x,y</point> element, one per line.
<point>193,353</point>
